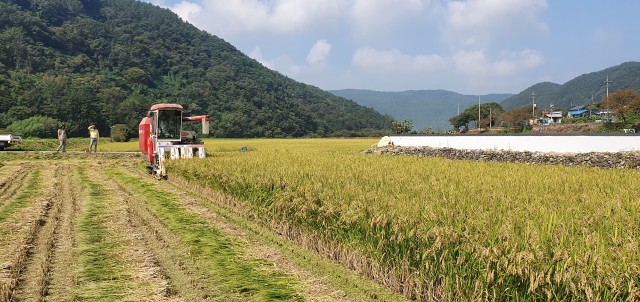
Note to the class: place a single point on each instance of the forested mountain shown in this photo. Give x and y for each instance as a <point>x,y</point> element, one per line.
<point>581,90</point>
<point>524,98</point>
<point>425,108</point>
<point>107,61</point>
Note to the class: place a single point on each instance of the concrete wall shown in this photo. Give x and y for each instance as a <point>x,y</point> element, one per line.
<point>532,143</point>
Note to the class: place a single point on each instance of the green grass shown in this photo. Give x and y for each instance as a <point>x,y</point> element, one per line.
<point>219,255</point>
<point>74,144</point>
<point>102,277</point>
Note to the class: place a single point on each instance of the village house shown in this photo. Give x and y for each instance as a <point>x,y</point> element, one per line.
<point>577,111</point>
<point>553,117</point>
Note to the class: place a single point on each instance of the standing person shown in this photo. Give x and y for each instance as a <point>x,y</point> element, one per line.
<point>62,137</point>
<point>95,135</point>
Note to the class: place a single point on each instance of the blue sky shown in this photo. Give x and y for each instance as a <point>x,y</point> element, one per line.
<point>467,46</point>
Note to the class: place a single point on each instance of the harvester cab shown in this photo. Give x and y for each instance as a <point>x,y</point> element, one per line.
<point>161,137</point>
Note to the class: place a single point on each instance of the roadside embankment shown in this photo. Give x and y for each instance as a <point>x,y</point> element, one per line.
<point>618,160</point>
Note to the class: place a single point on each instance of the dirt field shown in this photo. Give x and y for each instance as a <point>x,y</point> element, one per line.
<point>97,228</point>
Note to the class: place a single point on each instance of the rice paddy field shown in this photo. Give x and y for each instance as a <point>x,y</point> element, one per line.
<point>315,220</point>
<point>438,229</point>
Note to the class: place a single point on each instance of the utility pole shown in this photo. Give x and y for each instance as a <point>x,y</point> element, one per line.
<point>606,83</point>
<point>533,104</point>
<point>478,113</point>
<point>489,118</point>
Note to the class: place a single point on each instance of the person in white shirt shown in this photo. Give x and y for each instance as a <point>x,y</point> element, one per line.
<point>62,137</point>
<point>95,135</point>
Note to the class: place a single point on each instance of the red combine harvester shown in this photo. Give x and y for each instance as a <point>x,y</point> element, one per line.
<point>161,137</point>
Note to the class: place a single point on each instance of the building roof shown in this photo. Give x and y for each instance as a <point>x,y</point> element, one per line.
<point>576,108</point>
<point>578,112</point>
<point>554,114</point>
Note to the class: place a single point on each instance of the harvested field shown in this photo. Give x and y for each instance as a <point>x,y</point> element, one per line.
<point>81,228</point>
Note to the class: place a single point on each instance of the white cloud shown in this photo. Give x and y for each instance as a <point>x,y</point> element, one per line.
<point>256,54</point>
<point>160,3</point>
<point>404,50</point>
<point>228,17</point>
<point>282,63</point>
<point>319,52</point>
<point>278,16</point>
<point>477,64</point>
<point>187,10</point>
<point>475,23</point>
<point>371,16</point>
<point>395,61</point>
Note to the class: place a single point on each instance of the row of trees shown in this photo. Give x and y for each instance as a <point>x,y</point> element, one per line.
<point>482,114</point>
<point>625,104</point>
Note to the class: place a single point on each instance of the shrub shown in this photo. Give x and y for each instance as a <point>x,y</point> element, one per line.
<point>120,133</point>
<point>35,126</point>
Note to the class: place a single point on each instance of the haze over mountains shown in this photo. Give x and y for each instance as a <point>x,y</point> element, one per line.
<point>425,108</point>
<point>433,108</point>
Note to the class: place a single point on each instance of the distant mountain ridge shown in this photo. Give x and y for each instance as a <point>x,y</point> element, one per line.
<point>434,108</point>
<point>581,90</point>
<point>425,108</point>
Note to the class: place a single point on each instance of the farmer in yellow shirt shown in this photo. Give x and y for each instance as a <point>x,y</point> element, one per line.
<point>95,135</point>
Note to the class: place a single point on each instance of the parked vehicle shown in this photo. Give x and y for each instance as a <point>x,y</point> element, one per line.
<point>7,140</point>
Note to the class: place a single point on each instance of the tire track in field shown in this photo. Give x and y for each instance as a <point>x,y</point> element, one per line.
<point>11,182</point>
<point>8,169</point>
<point>218,256</point>
<point>70,197</point>
<point>35,278</point>
<point>314,287</point>
<point>186,279</point>
<point>49,273</point>
<point>30,220</point>
<point>109,259</point>
<point>148,280</point>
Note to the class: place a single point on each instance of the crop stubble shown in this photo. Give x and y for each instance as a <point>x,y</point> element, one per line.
<point>314,288</point>
<point>23,214</point>
<point>42,242</point>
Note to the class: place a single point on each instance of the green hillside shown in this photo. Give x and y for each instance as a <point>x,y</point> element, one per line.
<point>542,92</point>
<point>425,108</point>
<point>107,61</point>
<point>581,90</point>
